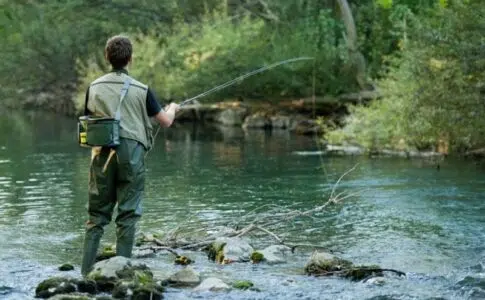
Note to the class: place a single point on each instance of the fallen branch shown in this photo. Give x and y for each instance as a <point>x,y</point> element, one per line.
<point>266,218</point>
<point>160,244</point>
<point>347,273</point>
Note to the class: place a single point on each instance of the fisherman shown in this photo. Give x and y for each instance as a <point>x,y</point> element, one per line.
<point>117,175</point>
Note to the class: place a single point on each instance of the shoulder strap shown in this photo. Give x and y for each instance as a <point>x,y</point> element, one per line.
<point>86,102</point>
<point>124,90</point>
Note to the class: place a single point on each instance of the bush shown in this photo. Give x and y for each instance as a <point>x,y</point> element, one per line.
<point>431,94</point>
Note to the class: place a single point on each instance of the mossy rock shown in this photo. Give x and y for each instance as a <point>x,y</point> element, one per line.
<point>141,287</point>
<point>66,267</point>
<point>322,263</point>
<point>183,260</point>
<point>216,252</point>
<point>55,285</point>
<point>87,286</point>
<point>103,283</point>
<point>256,257</point>
<point>74,296</point>
<point>107,253</point>
<point>243,285</point>
<point>148,292</point>
<point>138,273</point>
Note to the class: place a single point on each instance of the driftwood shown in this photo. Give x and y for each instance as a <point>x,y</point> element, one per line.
<point>266,220</point>
<point>358,273</point>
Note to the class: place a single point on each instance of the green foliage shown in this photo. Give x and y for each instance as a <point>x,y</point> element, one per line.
<point>432,91</point>
<point>196,57</point>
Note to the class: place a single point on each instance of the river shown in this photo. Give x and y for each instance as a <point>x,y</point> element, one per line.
<point>413,217</point>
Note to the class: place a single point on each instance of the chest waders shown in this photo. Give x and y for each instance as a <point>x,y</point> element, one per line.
<point>116,177</point>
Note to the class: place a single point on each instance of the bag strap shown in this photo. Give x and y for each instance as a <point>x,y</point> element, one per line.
<point>124,91</point>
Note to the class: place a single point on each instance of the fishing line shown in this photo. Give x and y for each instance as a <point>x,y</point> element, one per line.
<point>233,81</point>
<point>242,77</point>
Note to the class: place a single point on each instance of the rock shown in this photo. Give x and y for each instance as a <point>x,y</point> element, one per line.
<point>256,257</point>
<point>344,150</point>
<point>108,252</point>
<point>305,127</point>
<point>66,267</point>
<point>212,284</point>
<point>232,116</point>
<point>275,254</point>
<point>143,253</point>
<point>87,286</point>
<point>55,285</point>
<point>183,260</point>
<point>281,122</point>
<point>185,277</point>
<point>226,250</point>
<point>136,289</point>
<point>243,285</point>
<point>322,262</point>
<point>71,297</point>
<point>256,121</point>
<point>376,281</point>
<point>106,273</point>
<point>4,290</point>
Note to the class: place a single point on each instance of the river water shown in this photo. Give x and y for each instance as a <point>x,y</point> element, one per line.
<point>413,217</point>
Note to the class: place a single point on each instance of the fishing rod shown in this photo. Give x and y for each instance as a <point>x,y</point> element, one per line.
<point>233,81</point>
<point>242,77</point>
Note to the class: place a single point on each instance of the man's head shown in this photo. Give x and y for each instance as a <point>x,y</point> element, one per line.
<point>118,51</point>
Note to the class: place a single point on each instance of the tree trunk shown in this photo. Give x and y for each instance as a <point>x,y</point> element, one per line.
<point>356,57</point>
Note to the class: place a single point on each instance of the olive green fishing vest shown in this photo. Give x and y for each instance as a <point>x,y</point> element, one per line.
<point>104,97</point>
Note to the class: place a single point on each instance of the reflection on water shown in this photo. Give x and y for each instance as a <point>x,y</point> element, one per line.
<point>412,217</point>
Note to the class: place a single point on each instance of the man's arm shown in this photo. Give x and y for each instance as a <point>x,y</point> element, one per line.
<point>164,116</point>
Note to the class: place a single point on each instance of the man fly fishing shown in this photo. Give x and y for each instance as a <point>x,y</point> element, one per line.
<point>117,174</point>
<point>119,146</point>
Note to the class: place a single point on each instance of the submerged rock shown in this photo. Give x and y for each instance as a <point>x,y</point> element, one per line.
<point>66,267</point>
<point>243,285</point>
<point>322,262</point>
<point>185,277</point>
<point>325,264</point>
<point>212,284</point>
<point>183,260</point>
<point>275,254</point>
<point>256,257</point>
<point>227,250</point>
<point>376,281</point>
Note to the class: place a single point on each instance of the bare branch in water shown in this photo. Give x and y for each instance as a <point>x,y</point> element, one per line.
<point>263,218</point>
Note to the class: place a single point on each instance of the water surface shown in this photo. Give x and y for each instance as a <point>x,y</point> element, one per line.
<point>412,217</point>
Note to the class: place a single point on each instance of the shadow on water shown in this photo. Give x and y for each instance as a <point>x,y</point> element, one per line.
<point>411,217</point>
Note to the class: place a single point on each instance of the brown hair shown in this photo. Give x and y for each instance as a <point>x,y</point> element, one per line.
<point>118,51</point>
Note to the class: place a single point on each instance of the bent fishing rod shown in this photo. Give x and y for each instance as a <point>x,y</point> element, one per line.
<point>234,81</point>
<point>242,77</point>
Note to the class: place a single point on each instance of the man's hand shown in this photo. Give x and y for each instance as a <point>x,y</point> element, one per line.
<point>173,106</point>
<point>165,117</point>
